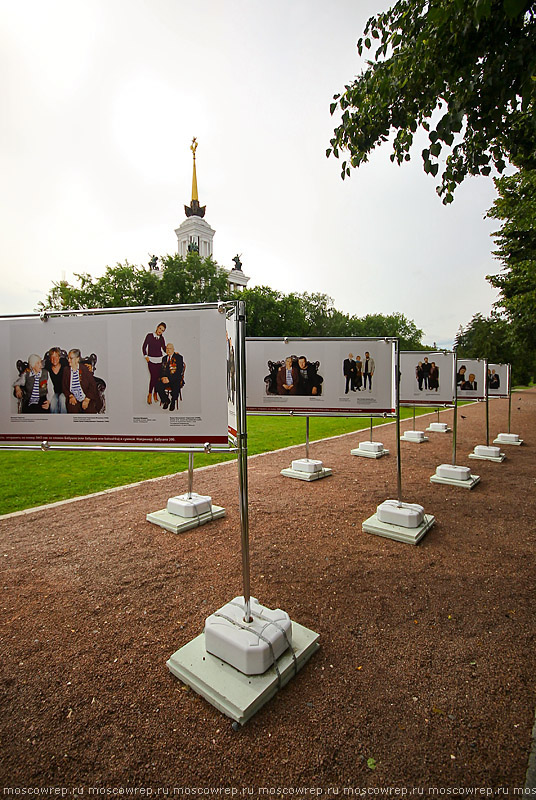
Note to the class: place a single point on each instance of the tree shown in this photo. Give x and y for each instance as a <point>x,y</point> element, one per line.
<point>272,313</point>
<point>184,280</point>
<point>471,61</point>
<point>492,338</point>
<point>516,248</point>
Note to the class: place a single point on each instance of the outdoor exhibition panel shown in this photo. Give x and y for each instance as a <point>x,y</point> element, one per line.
<point>471,378</point>
<point>311,377</point>
<point>498,380</point>
<point>113,362</point>
<point>427,378</point>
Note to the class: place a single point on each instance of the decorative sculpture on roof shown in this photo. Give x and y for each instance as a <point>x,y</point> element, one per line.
<point>238,263</point>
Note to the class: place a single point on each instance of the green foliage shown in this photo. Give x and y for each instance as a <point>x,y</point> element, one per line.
<point>185,280</point>
<point>471,61</point>
<point>516,248</point>
<point>493,338</point>
<point>272,313</point>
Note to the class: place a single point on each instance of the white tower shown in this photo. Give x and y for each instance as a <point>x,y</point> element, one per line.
<point>195,233</point>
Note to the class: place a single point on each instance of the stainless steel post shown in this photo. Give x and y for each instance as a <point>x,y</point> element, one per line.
<point>307,438</point>
<point>190,474</point>
<point>243,454</point>
<point>371,429</point>
<point>487,400</point>
<point>455,420</point>
<point>509,396</point>
<point>413,417</point>
<point>397,397</point>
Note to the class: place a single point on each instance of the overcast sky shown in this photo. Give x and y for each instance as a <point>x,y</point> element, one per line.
<point>101,99</point>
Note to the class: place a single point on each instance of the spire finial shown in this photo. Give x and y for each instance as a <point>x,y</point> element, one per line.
<point>194,209</point>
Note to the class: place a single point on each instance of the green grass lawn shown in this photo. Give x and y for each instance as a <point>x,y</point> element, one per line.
<point>34,478</point>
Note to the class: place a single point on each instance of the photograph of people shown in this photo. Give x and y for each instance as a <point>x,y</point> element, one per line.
<point>309,381</point>
<point>358,373</point>
<point>460,376</point>
<point>433,377</point>
<point>34,388</point>
<point>425,369</point>
<point>154,349</point>
<point>419,375</point>
<point>470,384</point>
<point>287,378</point>
<point>368,371</point>
<point>171,379</point>
<point>494,381</point>
<point>55,366</point>
<point>80,387</point>
<point>349,371</point>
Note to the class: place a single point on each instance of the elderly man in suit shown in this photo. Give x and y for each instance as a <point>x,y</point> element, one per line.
<point>171,378</point>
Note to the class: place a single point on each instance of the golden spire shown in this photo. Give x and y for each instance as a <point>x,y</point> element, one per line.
<point>193,148</point>
<point>194,209</point>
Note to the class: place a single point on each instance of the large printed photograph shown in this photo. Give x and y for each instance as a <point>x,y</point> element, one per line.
<point>323,376</point>
<point>498,376</point>
<point>471,379</point>
<point>426,378</point>
<point>138,377</point>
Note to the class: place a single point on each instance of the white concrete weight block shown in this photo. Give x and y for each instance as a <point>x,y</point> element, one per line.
<point>194,506</point>
<point>371,447</point>
<point>438,427</point>
<point>307,465</point>
<point>485,451</point>
<point>508,438</point>
<point>453,473</point>
<point>407,515</point>
<point>415,436</point>
<point>249,647</point>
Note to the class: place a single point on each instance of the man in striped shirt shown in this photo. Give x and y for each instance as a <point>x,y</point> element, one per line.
<point>33,387</point>
<point>79,387</point>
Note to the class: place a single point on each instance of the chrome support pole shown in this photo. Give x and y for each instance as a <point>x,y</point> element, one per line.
<point>455,420</point>
<point>371,429</point>
<point>307,438</point>
<point>190,474</point>
<point>398,453</point>
<point>509,396</point>
<point>243,455</point>
<point>487,400</point>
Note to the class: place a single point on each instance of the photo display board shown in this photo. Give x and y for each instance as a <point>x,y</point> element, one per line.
<point>470,379</point>
<point>339,377</point>
<point>498,380</point>
<point>147,377</point>
<point>426,378</point>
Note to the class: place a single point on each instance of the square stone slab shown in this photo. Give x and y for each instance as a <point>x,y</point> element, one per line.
<point>508,438</point>
<point>357,451</point>
<point>176,524</point>
<point>468,484</point>
<point>306,476</point>
<point>397,532</point>
<point>236,695</point>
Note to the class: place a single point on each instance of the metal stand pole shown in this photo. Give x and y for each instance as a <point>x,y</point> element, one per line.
<point>243,455</point>
<point>307,438</point>
<point>509,396</point>
<point>398,454</point>
<point>487,401</point>
<point>413,417</point>
<point>455,420</point>
<point>437,414</point>
<point>190,474</point>
<point>371,429</point>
